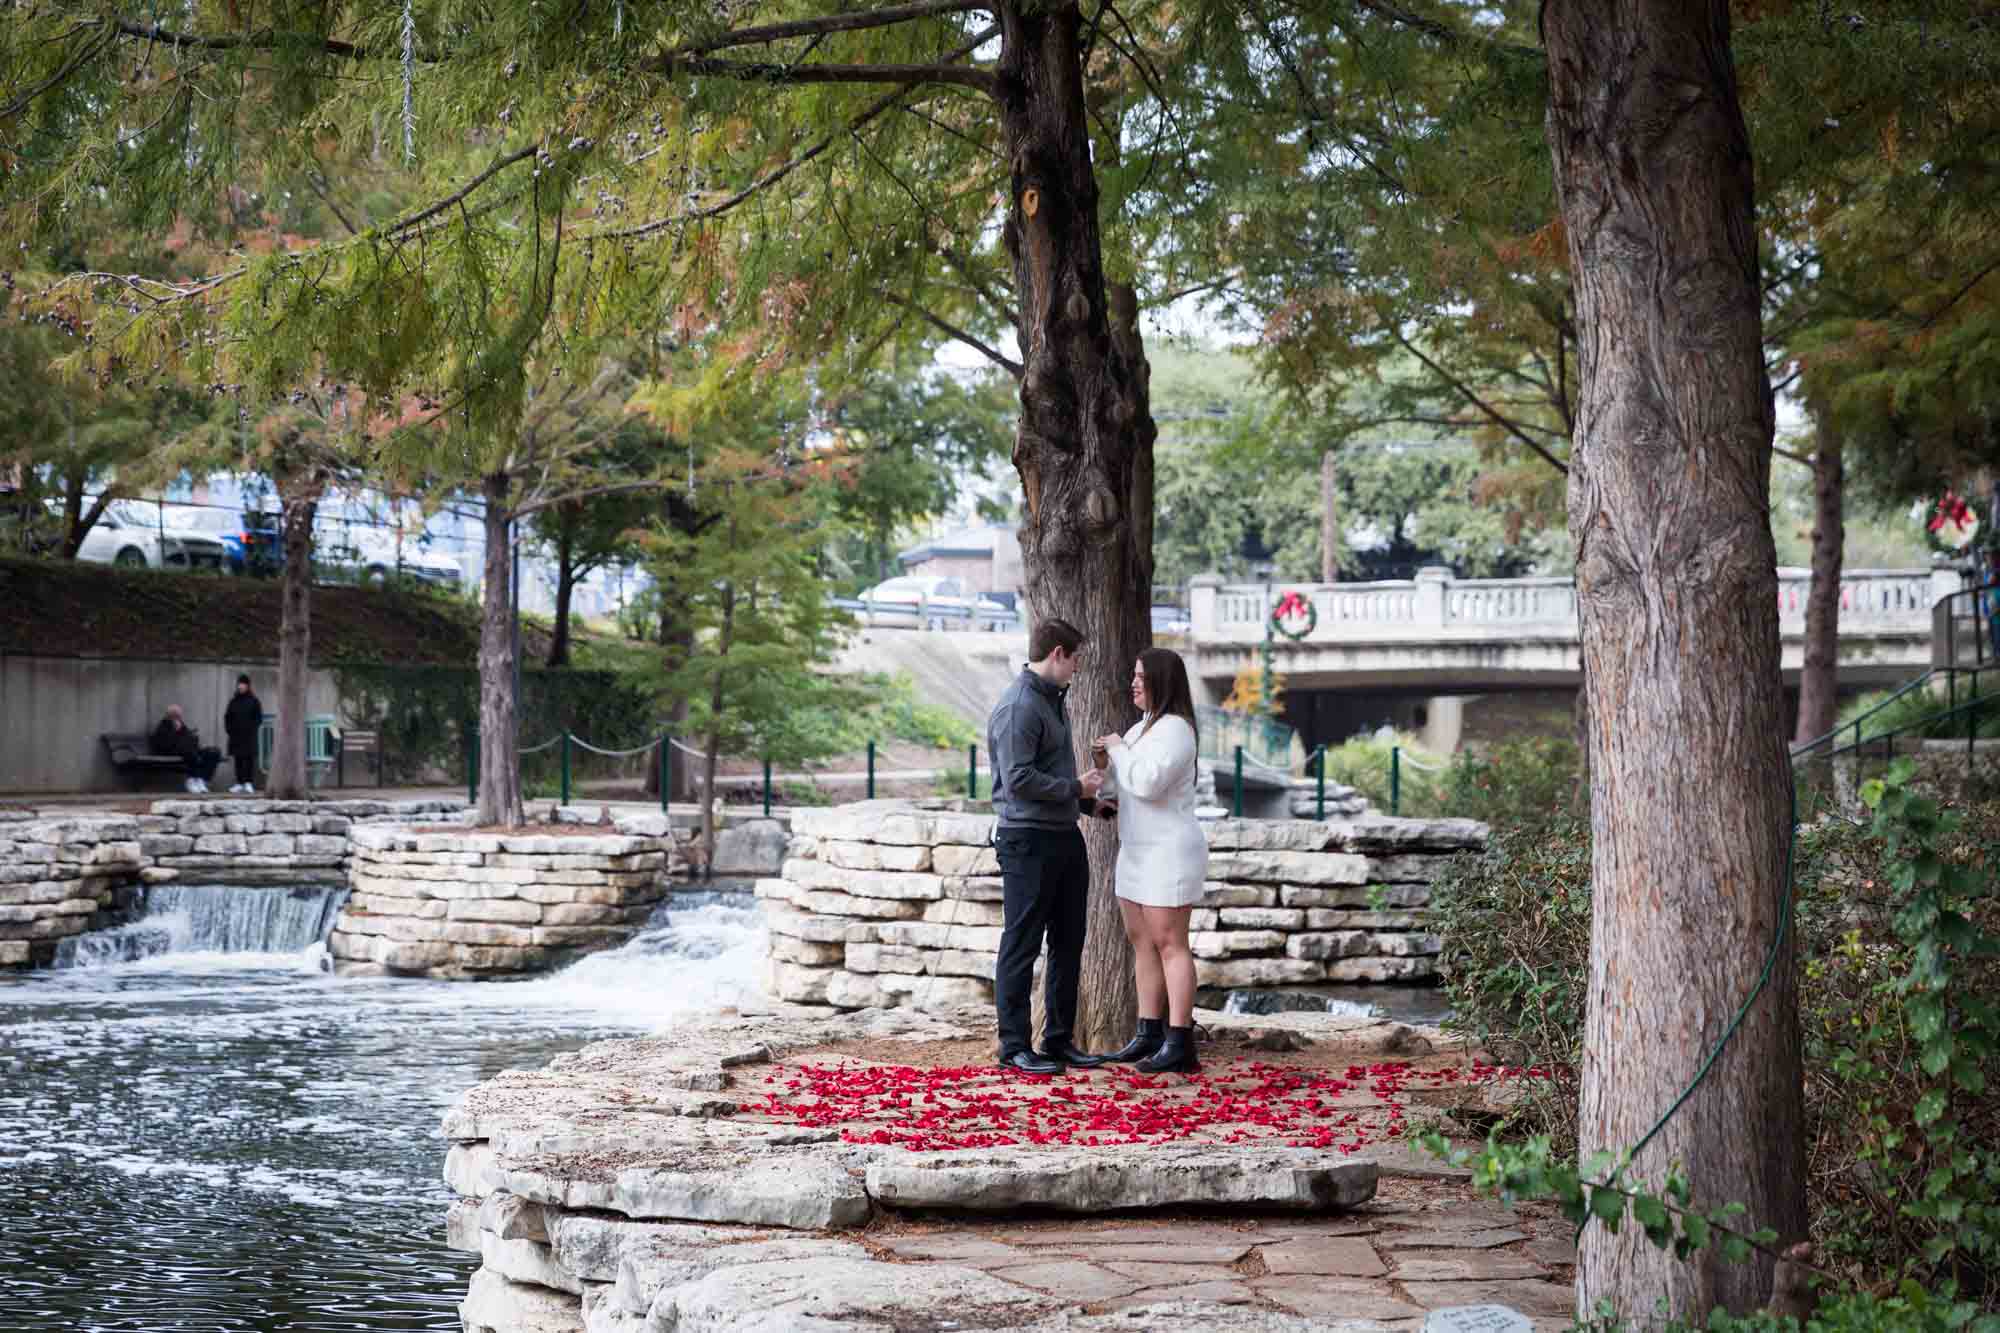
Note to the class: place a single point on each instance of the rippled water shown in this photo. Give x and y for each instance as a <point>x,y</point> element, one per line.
<point>218,1141</point>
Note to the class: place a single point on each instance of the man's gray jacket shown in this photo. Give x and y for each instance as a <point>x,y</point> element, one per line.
<point>1034,765</point>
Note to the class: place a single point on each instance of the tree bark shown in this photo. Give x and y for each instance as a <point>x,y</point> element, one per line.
<point>499,750</point>
<point>1329,521</point>
<point>1677,593</point>
<point>287,780</point>
<point>565,585</point>
<point>712,744</point>
<point>1084,443</point>
<point>1819,681</point>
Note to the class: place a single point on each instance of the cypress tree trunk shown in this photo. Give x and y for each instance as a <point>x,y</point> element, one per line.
<point>1677,592</point>
<point>565,585</point>
<point>499,747</point>
<point>1084,444</point>
<point>287,780</point>
<point>712,746</point>
<point>1329,520</point>
<point>1819,681</point>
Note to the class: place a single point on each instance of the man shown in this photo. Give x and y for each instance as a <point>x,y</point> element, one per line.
<point>240,723</point>
<point>174,736</point>
<point>1044,867</point>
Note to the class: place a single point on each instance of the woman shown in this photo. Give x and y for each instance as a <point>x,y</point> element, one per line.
<point>1162,858</point>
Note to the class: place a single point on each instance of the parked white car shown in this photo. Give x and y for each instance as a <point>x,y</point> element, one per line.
<point>136,536</point>
<point>370,555</point>
<point>928,601</point>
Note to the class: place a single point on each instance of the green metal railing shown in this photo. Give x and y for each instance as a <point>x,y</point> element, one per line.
<point>565,743</point>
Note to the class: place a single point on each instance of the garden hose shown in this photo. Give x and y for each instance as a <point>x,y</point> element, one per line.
<point>1763,979</point>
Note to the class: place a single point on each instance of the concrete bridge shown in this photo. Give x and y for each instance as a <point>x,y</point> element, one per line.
<point>1436,654</point>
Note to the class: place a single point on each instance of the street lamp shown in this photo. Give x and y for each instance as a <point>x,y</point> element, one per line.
<point>1262,572</point>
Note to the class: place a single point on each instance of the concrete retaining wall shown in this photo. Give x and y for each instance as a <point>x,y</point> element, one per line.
<point>886,904</point>
<point>62,877</point>
<point>57,707</point>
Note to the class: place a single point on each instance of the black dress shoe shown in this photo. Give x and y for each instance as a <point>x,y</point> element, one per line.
<point>1028,1062</point>
<point>1067,1053</point>
<point>1152,1031</point>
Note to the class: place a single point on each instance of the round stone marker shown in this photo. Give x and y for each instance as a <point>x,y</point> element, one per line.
<point>1477,1319</point>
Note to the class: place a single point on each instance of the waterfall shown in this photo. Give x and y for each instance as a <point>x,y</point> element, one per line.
<point>212,918</point>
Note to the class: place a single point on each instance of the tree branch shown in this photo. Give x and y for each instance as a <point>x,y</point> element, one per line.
<point>992,354</point>
<point>764,71</point>
<point>1466,392</point>
<point>814,27</point>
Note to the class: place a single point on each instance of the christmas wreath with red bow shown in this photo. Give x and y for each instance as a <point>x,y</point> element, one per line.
<point>1291,606</point>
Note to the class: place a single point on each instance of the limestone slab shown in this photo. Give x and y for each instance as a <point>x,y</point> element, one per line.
<point>1279,867</point>
<point>876,855</point>
<point>827,902</point>
<point>1381,969</point>
<point>1071,1280</point>
<point>1386,833</point>
<point>1230,943</point>
<point>1328,1256</point>
<point>1446,1238</point>
<point>796,1190</point>
<point>923,887</point>
<point>975,1251</point>
<point>526,1261</point>
<point>1478,1265</point>
<point>1540,1299</point>
<point>493,1302</point>
<point>820,1295</point>
<point>1323,945</point>
<point>1333,1298</point>
<point>1091,1181</point>
<point>1257,971</point>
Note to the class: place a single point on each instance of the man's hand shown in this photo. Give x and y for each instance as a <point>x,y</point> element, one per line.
<point>1091,781</point>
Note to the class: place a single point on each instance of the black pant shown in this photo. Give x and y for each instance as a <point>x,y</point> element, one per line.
<point>202,763</point>
<point>1045,875</point>
<point>246,769</point>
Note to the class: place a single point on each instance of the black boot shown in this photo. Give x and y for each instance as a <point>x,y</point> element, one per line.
<point>1151,1033</point>
<point>1175,1056</point>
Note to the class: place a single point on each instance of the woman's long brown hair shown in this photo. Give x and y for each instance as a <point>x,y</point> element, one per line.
<point>1167,688</point>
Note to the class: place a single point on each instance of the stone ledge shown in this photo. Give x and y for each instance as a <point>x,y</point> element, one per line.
<point>1086,1181</point>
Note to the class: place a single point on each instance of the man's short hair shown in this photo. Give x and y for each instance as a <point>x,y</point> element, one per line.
<point>1052,634</point>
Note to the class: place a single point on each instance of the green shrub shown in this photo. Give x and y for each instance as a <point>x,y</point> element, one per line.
<point>1908,715</point>
<point>1898,931</point>
<point>1517,783</point>
<point>1515,920</point>
<point>1363,763</point>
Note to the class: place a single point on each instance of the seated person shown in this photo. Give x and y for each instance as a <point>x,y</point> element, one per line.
<point>174,736</point>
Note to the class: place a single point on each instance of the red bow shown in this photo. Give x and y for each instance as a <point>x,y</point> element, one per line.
<point>1951,509</point>
<point>1291,604</point>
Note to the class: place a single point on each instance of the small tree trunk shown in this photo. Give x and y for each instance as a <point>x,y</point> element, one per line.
<point>1329,521</point>
<point>565,584</point>
<point>287,781</point>
<point>1677,595</point>
<point>712,746</point>
<point>1819,682</point>
<point>499,751</point>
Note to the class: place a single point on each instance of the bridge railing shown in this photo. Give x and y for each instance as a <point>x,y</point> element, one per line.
<point>1436,603</point>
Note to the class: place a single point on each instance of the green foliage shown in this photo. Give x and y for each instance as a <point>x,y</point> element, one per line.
<point>1515,921</point>
<point>1917,713</point>
<point>425,714</point>
<point>1363,763</point>
<point>1899,942</point>
<point>1514,784</point>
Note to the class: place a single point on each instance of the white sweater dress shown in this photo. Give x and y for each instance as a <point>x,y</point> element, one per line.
<point>1162,855</point>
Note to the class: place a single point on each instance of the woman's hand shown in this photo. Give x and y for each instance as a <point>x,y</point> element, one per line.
<point>1107,741</point>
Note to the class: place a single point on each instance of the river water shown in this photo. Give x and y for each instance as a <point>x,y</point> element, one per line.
<point>201,1130</point>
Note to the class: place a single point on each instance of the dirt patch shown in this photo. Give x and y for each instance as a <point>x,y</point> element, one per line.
<point>79,609</point>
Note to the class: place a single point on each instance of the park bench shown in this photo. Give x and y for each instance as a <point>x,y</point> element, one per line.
<point>132,756</point>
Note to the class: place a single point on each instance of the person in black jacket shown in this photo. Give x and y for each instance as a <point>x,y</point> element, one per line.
<point>240,723</point>
<point>174,736</point>
<point>1044,868</point>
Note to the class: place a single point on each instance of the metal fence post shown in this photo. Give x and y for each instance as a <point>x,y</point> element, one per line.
<point>767,789</point>
<point>1319,796</point>
<point>472,766</point>
<point>1239,783</point>
<point>972,772</point>
<point>666,770</point>
<point>565,768</point>
<point>871,770</point>
<point>1395,779</point>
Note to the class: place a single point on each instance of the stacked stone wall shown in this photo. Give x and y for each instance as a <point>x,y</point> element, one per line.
<point>476,905</point>
<point>255,842</point>
<point>888,904</point>
<point>62,877</point>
